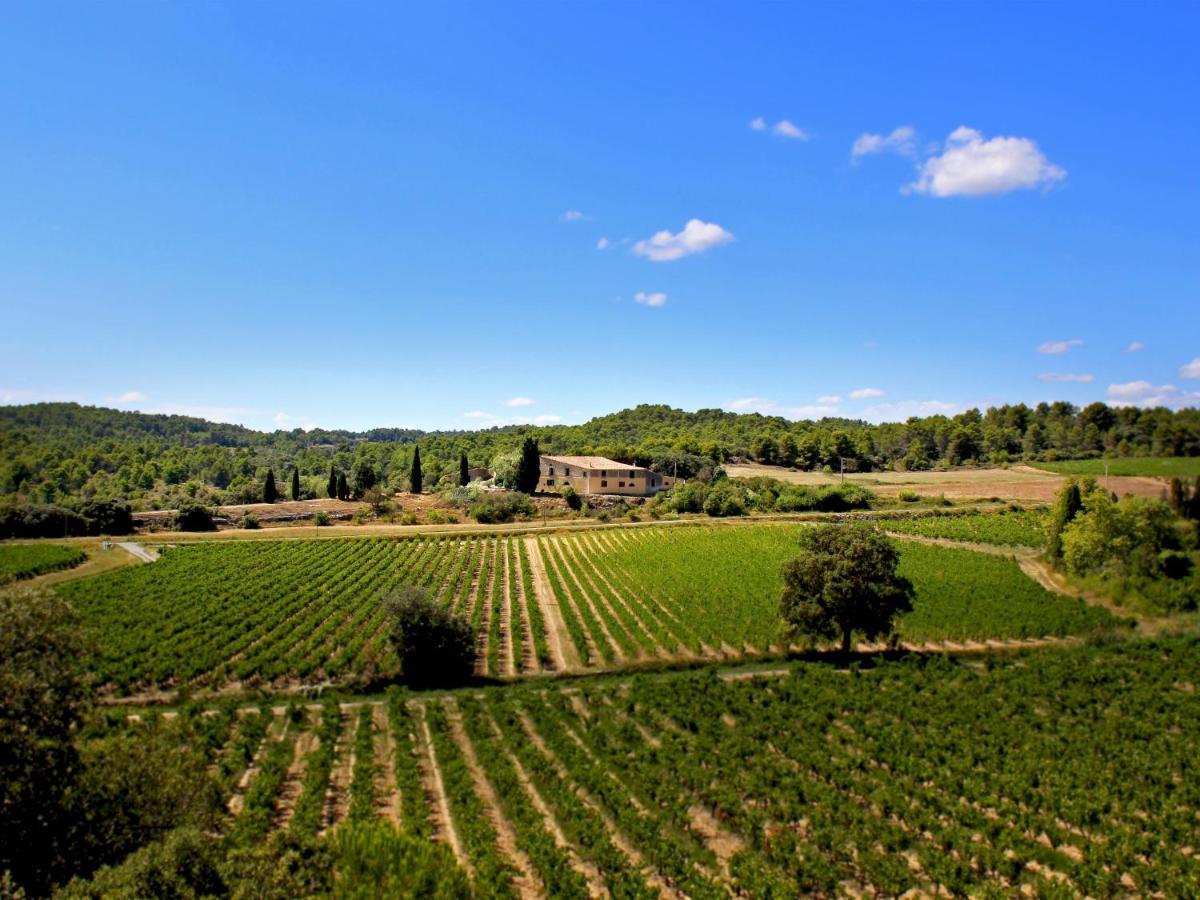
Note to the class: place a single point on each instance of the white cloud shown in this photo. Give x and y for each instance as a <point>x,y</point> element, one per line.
<point>479,414</point>
<point>603,243</point>
<point>656,298</point>
<point>128,397</point>
<point>1191,370</point>
<point>280,418</point>
<point>772,408</point>
<point>1135,347</point>
<point>902,140</point>
<point>573,215</point>
<point>784,128</point>
<point>758,124</point>
<point>519,401</point>
<point>1066,377</point>
<point>1059,346</point>
<point>865,393</point>
<point>696,237</point>
<point>970,166</point>
<point>1145,394</point>
<point>817,409</point>
<point>547,420</point>
<point>10,396</point>
<point>830,399</point>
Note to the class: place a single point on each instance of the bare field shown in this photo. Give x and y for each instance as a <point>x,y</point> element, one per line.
<point>1021,483</point>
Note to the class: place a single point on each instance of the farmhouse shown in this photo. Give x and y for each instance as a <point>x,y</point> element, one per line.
<point>598,475</point>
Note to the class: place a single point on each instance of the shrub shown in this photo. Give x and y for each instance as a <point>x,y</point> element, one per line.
<point>572,498</point>
<point>410,518</point>
<point>435,647</point>
<point>500,507</point>
<point>320,517</point>
<point>907,496</point>
<point>725,498</point>
<point>249,522</point>
<point>192,516</point>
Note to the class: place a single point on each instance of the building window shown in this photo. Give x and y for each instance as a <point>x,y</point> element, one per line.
<point>604,484</point>
<point>566,471</point>
<point>603,474</point>
<point>620,484</point>
<point>632,474</point>
<point>552,470</point>
<point>549,481</point>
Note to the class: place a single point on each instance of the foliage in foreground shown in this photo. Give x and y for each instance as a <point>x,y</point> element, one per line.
<point>434,646</point>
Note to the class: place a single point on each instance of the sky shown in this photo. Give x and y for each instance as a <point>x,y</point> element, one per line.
<point>353,215</point>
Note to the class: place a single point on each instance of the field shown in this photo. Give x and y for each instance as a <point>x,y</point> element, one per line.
<point>1016,483</point>
<point>1149,466</point>
<point>1005,528</point>
<point>1068,771</point>
<point>19,561</point>
<point>288,612</point>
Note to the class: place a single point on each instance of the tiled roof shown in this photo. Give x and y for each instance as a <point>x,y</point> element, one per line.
<point>590,462</point>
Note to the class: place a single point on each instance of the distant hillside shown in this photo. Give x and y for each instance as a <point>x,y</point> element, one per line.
<point>66,453</point>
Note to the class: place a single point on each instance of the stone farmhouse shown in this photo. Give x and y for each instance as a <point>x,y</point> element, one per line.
<point>598,475</point>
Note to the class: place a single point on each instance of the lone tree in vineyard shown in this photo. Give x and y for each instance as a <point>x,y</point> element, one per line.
<point>270,494</point>
<point>529,467</point>
<point>843,581</point>
<point>435,646</point>
<point>331,487</point>
<point>464,475</point>
<point>295,484</point>
<point>414,475</point>
<point>1067,505</point>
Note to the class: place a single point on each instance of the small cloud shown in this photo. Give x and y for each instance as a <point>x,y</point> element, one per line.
<point>970,166</point>
<point>546,420</point>
<point>280,419</point>
<point>656,298</point>
<point>1191,370</point>
<point>819,409</point>
<point>772,408</point>
<point>572,215</point>
<point>697,236</point>
<point>866,393</point>
<point>1066,378</point>
<point>129,397</point>
<point>1145,394</point>
<point>603,244</point>
<point>784,128</point>
<point>903,409</point>
<point>758,124</point>
<point>1059,346</point>
<point>1135,347</point>
<point>478,414</point>
<point>519,401</point>
<point>10,396</point>
<point>901,141</point>
<point>830,399</point>
<point>743,403</point>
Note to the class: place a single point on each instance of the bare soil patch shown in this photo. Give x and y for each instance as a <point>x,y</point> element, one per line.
<point>557,638</point>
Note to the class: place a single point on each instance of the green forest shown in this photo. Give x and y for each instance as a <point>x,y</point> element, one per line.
<point>67,454</point>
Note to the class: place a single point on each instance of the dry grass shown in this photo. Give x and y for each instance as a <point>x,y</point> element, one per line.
<point>1020,483</point>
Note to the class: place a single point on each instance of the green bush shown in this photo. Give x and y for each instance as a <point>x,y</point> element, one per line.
<point>435,646</point>
<point>907,496</point>
<point>320,517</point>
<point>490,508</point>
<point>249,522</point>
<point>192,516</point>
<point>572,498</point>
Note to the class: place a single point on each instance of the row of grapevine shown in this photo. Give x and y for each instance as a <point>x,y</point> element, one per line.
<point>19,561</point>
<point>307,611</point>
<point>1007,528</point>
<point>1065,772</point>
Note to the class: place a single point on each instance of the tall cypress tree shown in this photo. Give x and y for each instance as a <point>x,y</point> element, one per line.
<point>295,484</point>
<point>464,475</point>
<point>529,468</point>
<point>1067,505</point>
<point>331,487</point>
<point>343,487</point>
<point>414,477</point>
<point>270,494</point>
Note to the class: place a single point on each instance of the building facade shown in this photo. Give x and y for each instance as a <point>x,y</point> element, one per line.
<point>598,475</point>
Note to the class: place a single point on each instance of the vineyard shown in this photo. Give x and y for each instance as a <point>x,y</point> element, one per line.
<point>1066,772</point>
<point>1022,528</point>
<point>285,612</point>
<point>19,561</point>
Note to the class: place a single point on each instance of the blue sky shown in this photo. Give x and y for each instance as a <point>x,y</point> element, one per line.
<point>356,215</point>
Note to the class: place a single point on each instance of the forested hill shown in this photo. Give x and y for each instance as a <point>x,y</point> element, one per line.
<point>66,453</point>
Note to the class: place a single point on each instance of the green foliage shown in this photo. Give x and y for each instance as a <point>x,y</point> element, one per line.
<point>529,466</point>
<point>464,476</point>
<point>194,517</point>
<point>19,561</point>
<point>365,478</point>
<point>331,486</point>
<point>1146,466</point>
<point>491,507</point>
<point>1008,527</point>
<point>320,517</point>
<point>270,493</point>
<point>843,581</point>
<point>373,860</point>
<point>1067,505</point>
<point>249,521</point>
<point>183,865</point>
<point>435,647</point>
<point>295,484</point>
<point>571,498</point>
<point>39,520</point>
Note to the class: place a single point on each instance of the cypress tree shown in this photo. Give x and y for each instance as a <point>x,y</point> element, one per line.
<point>464,476</point>
<point>529,468</point>
<point>343,487</point>
<point>331,487</point>
<point>1067,506</point>
<point>295,484</point>
<point>270,494</point>
<point>414,477</point>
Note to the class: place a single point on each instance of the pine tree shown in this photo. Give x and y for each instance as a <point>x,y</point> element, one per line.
<point>295,484</point>
<point>414,477</point>
<point>331,487</point>
<point>343,487</point>
<point>529,468</point>
<point>270,494</point>
<point>464,475</point>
